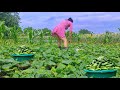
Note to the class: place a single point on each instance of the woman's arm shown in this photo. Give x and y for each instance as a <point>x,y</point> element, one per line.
<point>70,33</point>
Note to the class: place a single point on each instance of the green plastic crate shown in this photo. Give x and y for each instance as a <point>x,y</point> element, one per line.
<point>22,57</point>
<point>100,73</point>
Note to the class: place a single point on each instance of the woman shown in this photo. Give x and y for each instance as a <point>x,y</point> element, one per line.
<point>59,32</point>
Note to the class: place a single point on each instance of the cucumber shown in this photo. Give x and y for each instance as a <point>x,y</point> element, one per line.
<point>101,63</point>
<point>109,65</point>
<point>105,63</point>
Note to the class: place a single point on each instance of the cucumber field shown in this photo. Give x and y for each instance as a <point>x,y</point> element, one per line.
<point>34,53</point>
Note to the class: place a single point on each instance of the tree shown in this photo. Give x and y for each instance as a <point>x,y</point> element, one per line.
<point>119,29</point>
<point>108,32</point>
<point>85,31</point>
<point>11,18</point>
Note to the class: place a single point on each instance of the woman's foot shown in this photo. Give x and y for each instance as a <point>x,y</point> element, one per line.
<point>65,48</point>
<point>60,47</point>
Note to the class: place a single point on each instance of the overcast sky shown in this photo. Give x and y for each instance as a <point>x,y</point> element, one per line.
<point>97,22</point>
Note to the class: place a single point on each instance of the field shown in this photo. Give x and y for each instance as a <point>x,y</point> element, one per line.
<point>51,62</point>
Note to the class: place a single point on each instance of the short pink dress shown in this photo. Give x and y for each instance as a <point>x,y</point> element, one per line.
<point>60,28</point>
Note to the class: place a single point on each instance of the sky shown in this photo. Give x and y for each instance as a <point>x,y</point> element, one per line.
<point>96,22</point>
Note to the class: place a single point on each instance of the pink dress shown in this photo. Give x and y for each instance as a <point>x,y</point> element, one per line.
<point>60,28</point>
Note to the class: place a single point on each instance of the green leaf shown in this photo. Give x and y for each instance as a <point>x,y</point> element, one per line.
<point>67,61</point>
<point>53,71</point>
<point>28,71</point>
<point>61,66</point>
<point>51,63</point>
<point>6,67</point>
<point>70,68</point>
<point>65,76</point>
<point>15,75</point>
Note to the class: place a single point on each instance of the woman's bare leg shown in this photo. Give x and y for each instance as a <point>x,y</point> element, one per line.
<point>65,42</point>
<point>58,40</point>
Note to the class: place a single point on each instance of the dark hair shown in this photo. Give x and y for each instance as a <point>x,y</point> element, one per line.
<point>70,19</point>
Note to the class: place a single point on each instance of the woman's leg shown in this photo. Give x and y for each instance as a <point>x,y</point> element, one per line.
<point>65,42</point>
<point>58,40</point>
